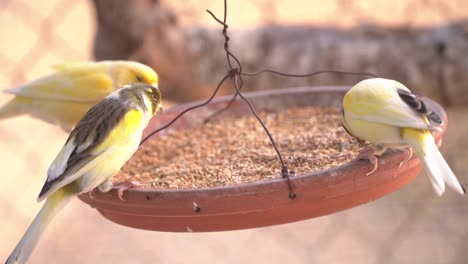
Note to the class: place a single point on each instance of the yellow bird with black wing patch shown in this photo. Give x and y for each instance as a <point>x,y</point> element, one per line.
<point>386,113</point>
<point>99,145</point>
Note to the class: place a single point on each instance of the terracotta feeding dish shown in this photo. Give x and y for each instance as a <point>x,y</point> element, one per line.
<point>260,203</point>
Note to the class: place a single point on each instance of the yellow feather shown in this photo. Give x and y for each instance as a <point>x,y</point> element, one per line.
<point>374,111</point>
<point>64,97</point>
<point>376,100</point>
<point>91,163</point>
<point>74,86</point>
<point>71,65</point>
<point>434,163</point>
<point>76,171</point>
<point>108,157</point>
<point>132,121</point>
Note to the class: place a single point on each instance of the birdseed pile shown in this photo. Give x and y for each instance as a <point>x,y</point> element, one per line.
<point>234,151</point>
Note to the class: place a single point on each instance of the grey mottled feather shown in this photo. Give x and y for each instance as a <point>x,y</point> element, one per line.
<point>94,128</point>
<point>91,130</point>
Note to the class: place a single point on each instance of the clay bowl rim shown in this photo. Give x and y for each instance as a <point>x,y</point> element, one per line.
<point>141,193</point>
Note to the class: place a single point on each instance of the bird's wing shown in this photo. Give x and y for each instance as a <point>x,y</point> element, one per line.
<point>79,84</point>
<point>72,65</point>
<point>387,107</point>
<point>418,105</point>
<point>91,142</point>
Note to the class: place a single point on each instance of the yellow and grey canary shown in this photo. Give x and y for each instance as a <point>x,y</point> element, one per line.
<point>63,97</point>
<point>387,114</point>
<point>100,144</point>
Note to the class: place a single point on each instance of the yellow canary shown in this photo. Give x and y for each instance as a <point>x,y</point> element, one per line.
<point>63,97</point>
<point>386,113</point>
<point>100,144</point>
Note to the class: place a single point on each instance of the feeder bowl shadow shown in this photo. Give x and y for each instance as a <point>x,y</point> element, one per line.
<point>262,203</point>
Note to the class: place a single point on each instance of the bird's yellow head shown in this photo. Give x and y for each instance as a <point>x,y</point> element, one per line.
<point>133,72</point>
<point>143,96</point>
<point>154,95</point>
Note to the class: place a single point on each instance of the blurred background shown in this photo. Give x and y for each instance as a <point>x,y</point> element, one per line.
<point>423,44</point>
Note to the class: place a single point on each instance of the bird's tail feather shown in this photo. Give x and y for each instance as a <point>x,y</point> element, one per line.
<point>434,163</point>
<point>11,109</point>
<point>51,207</point>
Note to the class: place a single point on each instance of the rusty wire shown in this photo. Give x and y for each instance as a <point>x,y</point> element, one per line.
<point>236,73</point>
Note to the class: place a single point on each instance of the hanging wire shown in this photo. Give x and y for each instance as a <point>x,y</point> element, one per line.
<point>235,74</point>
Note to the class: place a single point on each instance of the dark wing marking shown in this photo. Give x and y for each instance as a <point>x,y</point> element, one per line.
<point>99,122</point>
<point>419,106</point>
<point>72,168</point>
<point>90,131</point>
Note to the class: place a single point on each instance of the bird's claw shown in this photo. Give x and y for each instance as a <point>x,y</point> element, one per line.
<point>91,194</point>
<point>369,154</point>
<point>408,158</point>
<point>123,186</point>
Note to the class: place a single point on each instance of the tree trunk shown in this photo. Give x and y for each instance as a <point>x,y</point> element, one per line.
<point>191,61</point>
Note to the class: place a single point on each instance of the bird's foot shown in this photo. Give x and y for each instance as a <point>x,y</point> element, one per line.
<point>123,186</point>
<point>369,154</point>
<point>91,194</point>
<point>408,158</point>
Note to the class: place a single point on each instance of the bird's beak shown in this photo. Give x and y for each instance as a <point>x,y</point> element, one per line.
<point>161,109</point>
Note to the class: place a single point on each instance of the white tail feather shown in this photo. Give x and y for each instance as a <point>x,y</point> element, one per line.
<point>434,163</point>
<point>449,177</point>
<point>431,166</point>
<point>28,242</point>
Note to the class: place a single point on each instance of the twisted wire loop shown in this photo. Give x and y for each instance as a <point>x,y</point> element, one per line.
<point>235,74</point>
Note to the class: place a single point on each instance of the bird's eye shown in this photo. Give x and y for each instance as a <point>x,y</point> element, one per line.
<point>139,79</point>
<point>155,96</point>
